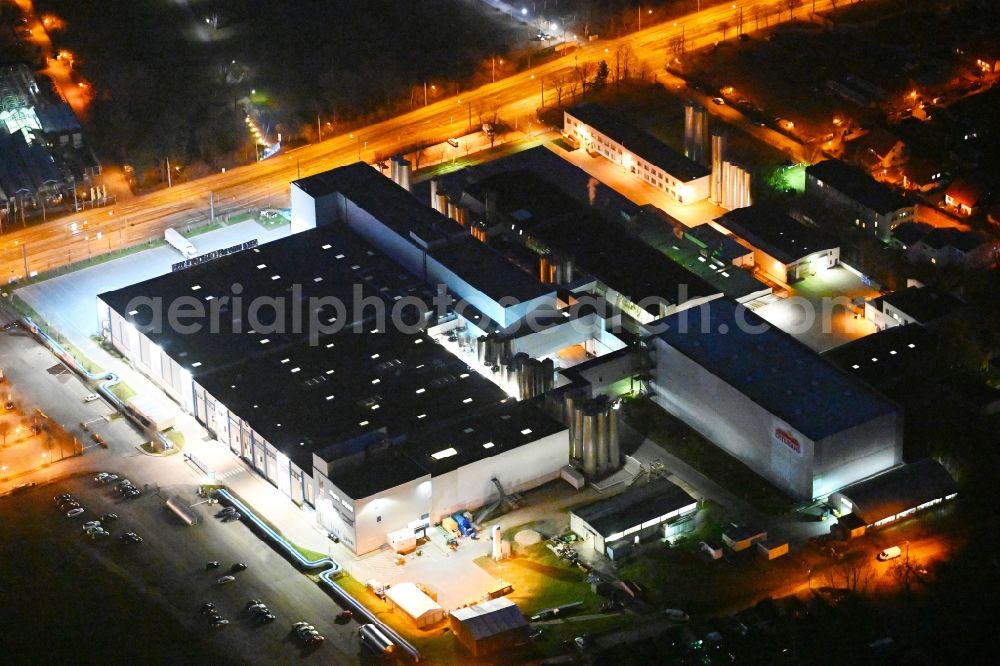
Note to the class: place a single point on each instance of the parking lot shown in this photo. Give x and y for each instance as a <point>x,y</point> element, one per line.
<point>143,600</point>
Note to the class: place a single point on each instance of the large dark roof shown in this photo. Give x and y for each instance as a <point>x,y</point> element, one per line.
<point>635,506</point>
<point>925,304</point>
<point>774,232</point>
<point>961,240</point>
<point>384,200</point>
<point>329,261</point>
<point>308,396</point>
<point>899,489</point>
<point>773,369</point>
<point>475,434</point>
<point>641,143</point>
<point>488,271</point>
<point>597,247</point>
<point>857,185</point>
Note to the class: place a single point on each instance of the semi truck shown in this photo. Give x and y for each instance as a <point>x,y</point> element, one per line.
<point>179,243</point>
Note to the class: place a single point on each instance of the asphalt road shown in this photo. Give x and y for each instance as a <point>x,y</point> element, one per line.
<point>49,245</point>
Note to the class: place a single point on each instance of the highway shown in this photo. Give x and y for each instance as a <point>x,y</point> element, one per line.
<point>69,239</point>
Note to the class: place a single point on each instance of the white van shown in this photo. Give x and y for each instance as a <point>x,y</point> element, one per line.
<point>890,553</point>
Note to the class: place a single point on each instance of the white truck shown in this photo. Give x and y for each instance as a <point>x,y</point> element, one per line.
<point>179,243</point>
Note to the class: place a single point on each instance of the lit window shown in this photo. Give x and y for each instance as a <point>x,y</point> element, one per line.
<point>295,369</point>
<point>326,247</point>
<point>261,266</point>
<point>275,277</point>
<point>363,424</point>
<point>329,397</point>
<point>376,381</point>
<point>329,372</point>
<point>420,416</point>
<point>488,445</point>
<point>374,356</point>
<point>196,287</point>
<point>526,431</point>
<point>467,401</point>
<point>264,341</point>
<point>339,256</point>
<point>196,364</point>
<point>447,453</point>
<point>329,345</point>
<point>420,390</point>
<point>855,366</point>
<point>285,360</point>
<point>463,375</point>
<point>317,279</point>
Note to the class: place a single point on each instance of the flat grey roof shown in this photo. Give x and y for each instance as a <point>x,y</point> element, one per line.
<point>899,489</point>
<point>641,143</point>
<point>773,369</point>
<point>773,231</point>
<point>635,506</point>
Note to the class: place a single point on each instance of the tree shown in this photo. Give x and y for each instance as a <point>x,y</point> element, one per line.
<point>4,430</point>
<point>791,4</point>
<point>723,26</point>
<point>559,84</point>
<point>601,76</point>
<point>583,70</point>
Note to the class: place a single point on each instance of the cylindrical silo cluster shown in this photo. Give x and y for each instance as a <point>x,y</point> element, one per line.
<point>593,434</point>
<point>553,270</point>
<point>531,376</point>
<point>401,171</point>
<point>735,186</point>
<point>718,156</point>
<point>494,349</point>
<point>695,131</point>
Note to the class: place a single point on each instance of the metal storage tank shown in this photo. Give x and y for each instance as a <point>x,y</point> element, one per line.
<point>589,449</point>
<point>569,405</point>
<point>601,437</point>
<point>614,448</point>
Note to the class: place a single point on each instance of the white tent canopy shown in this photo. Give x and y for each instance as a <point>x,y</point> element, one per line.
<point>415,603</point>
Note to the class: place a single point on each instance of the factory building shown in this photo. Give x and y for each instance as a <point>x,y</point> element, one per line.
<point>638,512</point>
<point>489,627</point>
<point>874,207</point>
<point>891,496</point>
<point>771,402</point>
<point>592,254</point>
<point>913,305</point>
<point>783,248</point>
<point>602,132</point>
<point>423,241</point>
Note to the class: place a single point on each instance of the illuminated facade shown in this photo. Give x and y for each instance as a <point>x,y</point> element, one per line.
<point>601,132</point>
<point>766,399</point>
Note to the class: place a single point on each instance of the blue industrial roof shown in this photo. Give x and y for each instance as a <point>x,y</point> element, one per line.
<point>773,369</point>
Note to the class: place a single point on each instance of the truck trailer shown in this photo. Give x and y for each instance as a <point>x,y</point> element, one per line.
<point>179,243</point>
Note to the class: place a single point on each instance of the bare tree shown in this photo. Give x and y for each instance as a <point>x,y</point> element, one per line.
<point>574,85</point>
<point>489,119</point>
<point>5,428</point>
<point>724,26</point>
<point>857,575</point>
<point>559,84</point>
<point>791,4</point>
<point>583,71</point>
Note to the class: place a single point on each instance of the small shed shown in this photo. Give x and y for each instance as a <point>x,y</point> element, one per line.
<point>772,548</point>
<point>416,604</point>
<point>741,537</point>
<point>489,627</point>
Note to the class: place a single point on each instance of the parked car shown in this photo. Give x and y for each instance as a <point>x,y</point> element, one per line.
<point>9,406</point>
<point>219,623</point>
<point>100,477</point>
<point>111,478</point>
<point>719,101</point>
<point>60,499</point>
<point>889,553</point>
<point>73,513</point>
<point>91,397</point>
<point>91,523</point>
<point>98,533</point>
<point>225,579</point>
<point>207,608</point>
<point>130,537</point>
<point>108,517</point>
<point>214,564</point>
<point>584,642</point>
<point>264,618</point>
<point>238,566</point>
<point>676,615</point>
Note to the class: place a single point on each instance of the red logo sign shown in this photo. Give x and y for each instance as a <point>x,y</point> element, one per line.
<point>788,439</point>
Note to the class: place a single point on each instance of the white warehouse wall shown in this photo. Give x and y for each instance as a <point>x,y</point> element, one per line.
<point>857,453</point>
<point>392,510</point>
<point>732,421</point>
<point>527,466</point>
